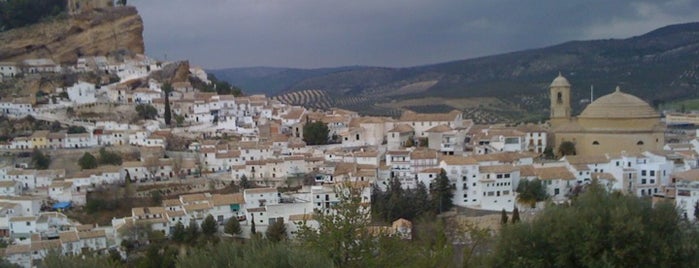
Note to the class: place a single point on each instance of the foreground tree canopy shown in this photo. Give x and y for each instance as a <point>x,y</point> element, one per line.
<point>600,229</point>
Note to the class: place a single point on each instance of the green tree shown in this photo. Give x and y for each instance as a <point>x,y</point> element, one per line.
<point>40,160</point>
<point>515,215</point>
<point>56,260</point>
<point>252,225</point>
<point>441,193</point>
<point>530,192</point>
<point>548,153</point>
<point>232,227</point>
<point>87,161</point>
<point>276,231</point>
<point>76,130</point>
<point>503,217</point>
<point>109,158</point>
<point>410,142</point>
<point>146,111</point>
<point>252,253</point>
<point>610,230</point>
<point>244,182</point>
<point>55,126</point>
<point>191,232</point>
<point>167,114</point>
<point>178,232</point>
<point>315,133</point>
<point>209,226</point>
<point>566,148</point>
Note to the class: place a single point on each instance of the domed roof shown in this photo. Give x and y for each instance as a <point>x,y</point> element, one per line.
<point>560,81</point>
<point>619,105</point>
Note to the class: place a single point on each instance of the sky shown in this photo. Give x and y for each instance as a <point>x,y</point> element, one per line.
<point>391,33</point>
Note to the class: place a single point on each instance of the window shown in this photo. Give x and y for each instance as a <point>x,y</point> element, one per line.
<point>643,172</point>
<point>595,143</point>
<point>559,98</point>
<point>643,181</point>
<point>652,172</point>
<point>639,143</point>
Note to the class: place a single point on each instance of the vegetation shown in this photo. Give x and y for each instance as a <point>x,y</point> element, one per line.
<point>209,226</point>
<point>88,161</point>
<point>19,13</point>
<point>396,203</point>
<point>221,87</point>
<point>146,111</point>
<point>232,227</point>
<point>276,231</point>
<point>76,130</point>
<point>503,217</point>
<point>441,192</point>
<point>566,148</point>
<point>245,183</point>
<point>40,160</point>
<point>530,192</point>
<point>315,133</point>
<point>515,215</point>
<point>109,157</point>
<point>167,113</point>
<point>600,229</point>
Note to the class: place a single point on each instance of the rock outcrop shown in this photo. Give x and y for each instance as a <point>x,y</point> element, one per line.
<point>94,33</point>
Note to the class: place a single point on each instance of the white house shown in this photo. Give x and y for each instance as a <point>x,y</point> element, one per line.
<point>82,92</point>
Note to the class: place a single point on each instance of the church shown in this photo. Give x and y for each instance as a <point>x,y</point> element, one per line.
<point>615,123</point>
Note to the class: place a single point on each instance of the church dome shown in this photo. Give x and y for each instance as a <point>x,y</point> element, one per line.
<point>560,81</point>
<point>619,105</point>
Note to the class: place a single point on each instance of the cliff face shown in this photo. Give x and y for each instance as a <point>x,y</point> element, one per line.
<point>94,33</point>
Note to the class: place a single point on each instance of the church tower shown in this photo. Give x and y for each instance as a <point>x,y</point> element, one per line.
<point>560,101</point>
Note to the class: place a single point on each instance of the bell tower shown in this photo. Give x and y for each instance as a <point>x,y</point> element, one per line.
<point>560,100</point>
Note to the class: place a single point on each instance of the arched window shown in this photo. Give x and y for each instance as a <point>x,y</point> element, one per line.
<point>560,97</point>
<point>595,143</point>
<point>639,143</point>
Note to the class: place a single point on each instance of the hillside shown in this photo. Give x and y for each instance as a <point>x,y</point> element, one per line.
<point>658,66</point>
<point>64,39</point>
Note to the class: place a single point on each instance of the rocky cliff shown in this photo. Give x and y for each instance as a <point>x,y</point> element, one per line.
<point>94,33</point>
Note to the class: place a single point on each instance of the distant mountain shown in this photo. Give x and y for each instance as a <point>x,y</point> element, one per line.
<point>270,80</point>
<point>659,66</point>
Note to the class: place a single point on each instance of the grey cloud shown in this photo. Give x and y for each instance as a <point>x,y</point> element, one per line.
<point>319,33</point>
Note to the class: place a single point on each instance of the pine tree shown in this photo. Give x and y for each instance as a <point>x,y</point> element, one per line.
<point>232,226</point>
<point>441,193</point>
<point>252,225</point>
<point>503,217</point>
<point>208,226</point>
<point>192,232</point>
<point>276,232</point>
<point>178,232</point>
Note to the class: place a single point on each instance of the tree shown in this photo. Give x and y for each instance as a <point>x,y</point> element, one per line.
<point>548,153</point>
<point>530,192</point>
<point>87,161</point>
<point>244,182</point>
<point>315,133</point>
<point>167,114</point>
<point>276,231</point>
<point>566,148</point>
<point>178,232</point>
<point>612,230</point>
<point>146,111</point>
<point>410,142</point>
<point>209,226</point>
<point>156,197</point>
<point>232,227</point>
<point>40,160</point>
<point>441,193</point>
<point>109,158</point>
<point>55,126</point>
<point>191,232</point>
<point>253,230</point>
<point>76,129</point>
<point>515,215</point>
<point>503,217</point>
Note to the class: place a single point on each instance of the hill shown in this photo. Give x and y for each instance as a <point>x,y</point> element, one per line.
<point>658,66</point>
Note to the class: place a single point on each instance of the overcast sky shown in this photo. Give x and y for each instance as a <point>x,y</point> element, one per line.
<point>395,33</point>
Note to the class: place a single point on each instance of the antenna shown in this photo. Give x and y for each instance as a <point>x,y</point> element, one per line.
<point>592,93</point>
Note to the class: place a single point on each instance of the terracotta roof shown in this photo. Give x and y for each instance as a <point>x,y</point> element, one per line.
<point>590,159</point>
<point>261,209</point>
<point>456,160</point>
<point>440,129</point>
<point>413,116</point>
<point>689,175</point>
<point>402,128</point>
<point>402,223</point>
<point>431,170</point>
<point>70,236</point>
<point>196,207</point>
<point>92,234</point>
<point>172,202</point>
<point>602,176</point>
<point>554,173</point>
<point>424,154</point>
<point>227,199</point>
<point>193,198</point>
<point>526,171</point>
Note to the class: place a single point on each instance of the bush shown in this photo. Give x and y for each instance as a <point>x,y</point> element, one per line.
<point>87,161</point>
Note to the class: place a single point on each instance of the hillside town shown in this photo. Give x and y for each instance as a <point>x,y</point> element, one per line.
<point>250,158</point>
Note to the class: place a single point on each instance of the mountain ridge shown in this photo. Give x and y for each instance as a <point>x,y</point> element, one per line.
<point>658,66</point>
